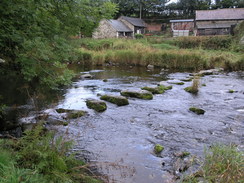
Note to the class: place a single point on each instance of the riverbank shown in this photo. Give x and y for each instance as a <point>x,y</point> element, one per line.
<point>164,53</point>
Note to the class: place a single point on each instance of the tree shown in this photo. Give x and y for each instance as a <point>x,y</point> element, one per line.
<point>33,34</point>
<point>137,7</point>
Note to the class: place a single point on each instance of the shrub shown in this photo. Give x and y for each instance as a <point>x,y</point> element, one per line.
<point>205,42</point>
<point>39,156</point>
<point>138,36</point>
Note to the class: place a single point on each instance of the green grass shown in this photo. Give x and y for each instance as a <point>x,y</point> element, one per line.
<point>39,156</point>
<point>222,164</point>
<point>163,53</point>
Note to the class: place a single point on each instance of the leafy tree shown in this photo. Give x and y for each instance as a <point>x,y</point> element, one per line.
<point>134,7</point>
<point>34,34</point>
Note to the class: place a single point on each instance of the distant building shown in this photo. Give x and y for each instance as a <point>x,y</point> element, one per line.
<point>218,22</point>
<point>182,27</point>
<point>123,27</point>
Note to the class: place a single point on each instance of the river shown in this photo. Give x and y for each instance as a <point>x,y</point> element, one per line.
<point>119,142</point>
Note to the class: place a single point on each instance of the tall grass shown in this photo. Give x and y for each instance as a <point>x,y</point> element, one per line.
<point>222,164</point>
<point>141,52</point>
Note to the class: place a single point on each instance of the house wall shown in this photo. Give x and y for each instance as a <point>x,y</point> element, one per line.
<point>104,30</point>
<point>218,29</point>
<point>182,26</point>
<point>128,24</point>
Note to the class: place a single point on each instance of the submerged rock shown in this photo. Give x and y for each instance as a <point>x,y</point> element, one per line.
<point>71,114</point>
<point>191,89</point>
<point>97,105</point>
<point>197,110</point>
<point>118,100</point>
<point>141,94</point>
<point>176,82</point>
<point>187,79</point>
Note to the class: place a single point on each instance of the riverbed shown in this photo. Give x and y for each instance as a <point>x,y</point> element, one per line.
<point>119,142</point>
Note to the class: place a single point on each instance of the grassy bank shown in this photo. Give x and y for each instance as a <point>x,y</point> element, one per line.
<point>40,157</point>
<point>223,163</point>
<point>167,54</point>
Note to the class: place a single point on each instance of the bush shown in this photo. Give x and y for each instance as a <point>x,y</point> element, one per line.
<point>138,36</point>
<point>39,156</point>
<point>205,42</point>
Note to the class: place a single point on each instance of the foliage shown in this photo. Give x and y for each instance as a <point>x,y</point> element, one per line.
<point>141,52</point>
<point>133,7</point>
<point>34,36</point>
<point>39,156</point>
<point>223,164</point>
<point>138,36</point>
<point>206,42</point>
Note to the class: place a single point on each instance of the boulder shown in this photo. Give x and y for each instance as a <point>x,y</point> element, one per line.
<point>197,110</point>
<point>118,100</point>
<point>74,114</point>
<point>150,66</point>
<point>86,76</point>
<point>187,79</point>
<point>155,90</point>
<point>97,105</point>
<point>141,94</point>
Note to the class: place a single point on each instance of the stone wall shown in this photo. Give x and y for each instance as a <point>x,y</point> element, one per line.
<point>104,30</point>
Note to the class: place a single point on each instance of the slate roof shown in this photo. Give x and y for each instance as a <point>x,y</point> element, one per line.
<point>119,26</point>
<point>134,21</point>
<point>220,14</point>
<point>183,20</point>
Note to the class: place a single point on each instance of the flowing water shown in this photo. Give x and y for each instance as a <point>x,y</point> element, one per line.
<point>119,142</point>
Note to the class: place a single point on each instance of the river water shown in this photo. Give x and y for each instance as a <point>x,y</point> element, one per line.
<point>119,142</point>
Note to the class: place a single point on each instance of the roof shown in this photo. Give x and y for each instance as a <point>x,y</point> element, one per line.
<point>183,20</point>
<point>220,14</point>
<point>119,26</point>
<point>134,21</point>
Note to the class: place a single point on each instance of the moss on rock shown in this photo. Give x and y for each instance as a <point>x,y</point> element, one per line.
<point>118,100</point>
<point>154,90</point>
<point>97,105</point>
<point>158,148</point>
<point>75,114</point>
<point>197,110</point>
<point>190,89</point>
<point>142,94</point>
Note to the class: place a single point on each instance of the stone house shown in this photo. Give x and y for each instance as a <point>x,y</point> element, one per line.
<point>137,25</point>
<point>123,27</point>
<point>218,22</point>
